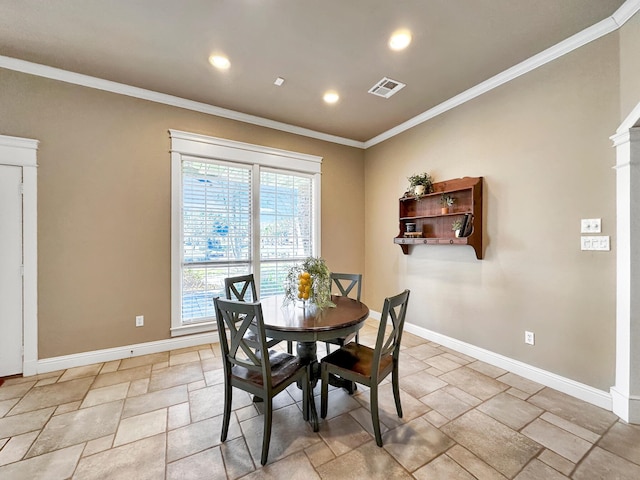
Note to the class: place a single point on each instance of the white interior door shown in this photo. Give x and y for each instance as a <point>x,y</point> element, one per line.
<point>11,292</point>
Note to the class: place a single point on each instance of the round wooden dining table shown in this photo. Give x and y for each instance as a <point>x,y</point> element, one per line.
<point>308,324</point>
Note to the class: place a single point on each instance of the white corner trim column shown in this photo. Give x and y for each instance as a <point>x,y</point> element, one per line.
<point>22,152</point>
<point>626,392</point>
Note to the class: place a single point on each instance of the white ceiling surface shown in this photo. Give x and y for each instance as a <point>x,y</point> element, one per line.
<point>164,45</point>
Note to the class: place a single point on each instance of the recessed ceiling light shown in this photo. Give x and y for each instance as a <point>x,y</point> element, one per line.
<point>400,40</point>
<point>219,61</point>
<point>331,97</point>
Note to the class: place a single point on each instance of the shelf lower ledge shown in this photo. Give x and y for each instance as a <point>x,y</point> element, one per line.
<point>406,242</point>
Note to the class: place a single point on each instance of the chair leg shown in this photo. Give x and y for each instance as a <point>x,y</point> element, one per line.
<point>358,337</point>
<point>395,381</point>
<point>306,398</point>
<point>290,347</point>
<point>266,435</point>
<point>228,389</point>
<point>324,389</point>
<point>375,417</point>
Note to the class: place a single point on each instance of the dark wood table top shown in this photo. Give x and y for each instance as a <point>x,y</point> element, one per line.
<point>292,322</point>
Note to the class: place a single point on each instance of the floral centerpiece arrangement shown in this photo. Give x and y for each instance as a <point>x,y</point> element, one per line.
<point>309,282</point>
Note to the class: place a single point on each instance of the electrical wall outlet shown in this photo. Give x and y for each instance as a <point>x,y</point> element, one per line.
<point>140,321</point>
<point>591,225</point>
<point>595,242</point>
<point>529,338</point>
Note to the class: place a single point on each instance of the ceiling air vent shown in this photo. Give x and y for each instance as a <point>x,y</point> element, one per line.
<point>386,87</point>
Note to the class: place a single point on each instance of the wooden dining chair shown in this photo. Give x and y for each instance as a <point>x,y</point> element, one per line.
<point>348,285</point>
<point>250,366</point>
<point>369,366</point>
<point>238,288</point>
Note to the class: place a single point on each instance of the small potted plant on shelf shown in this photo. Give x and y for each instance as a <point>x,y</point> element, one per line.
<point>420,183</point>
<point>456,226</point>
<point>446,201</point>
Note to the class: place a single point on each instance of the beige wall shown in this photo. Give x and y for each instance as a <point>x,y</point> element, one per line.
<point>104,206</point>
<point>541,142</point>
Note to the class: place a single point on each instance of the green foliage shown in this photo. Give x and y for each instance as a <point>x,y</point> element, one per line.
<point>320,293</point>
<point>447,200</point>
<point>456,225</point>
<point>421,179</point>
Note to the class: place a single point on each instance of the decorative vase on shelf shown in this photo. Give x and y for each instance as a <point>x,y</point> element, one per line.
<point>419,190</point>
<point>444,210</point>
<point>458,233</point>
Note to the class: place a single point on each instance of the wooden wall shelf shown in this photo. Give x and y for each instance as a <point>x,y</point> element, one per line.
<point>435,226</point>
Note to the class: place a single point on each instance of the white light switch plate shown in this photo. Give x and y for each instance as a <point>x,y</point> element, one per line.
<point>591,225</point>
<point>595,242</point>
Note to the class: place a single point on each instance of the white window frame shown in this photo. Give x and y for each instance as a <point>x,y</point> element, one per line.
<point>189,145</point>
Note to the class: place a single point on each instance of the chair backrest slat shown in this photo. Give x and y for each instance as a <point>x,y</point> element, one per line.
<point>346,282</point>
<point>394,309</point>
<point>234,319</point>
<point>236,288</point>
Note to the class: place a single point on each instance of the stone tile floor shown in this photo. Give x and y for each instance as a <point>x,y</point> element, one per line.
<point>159,416</point>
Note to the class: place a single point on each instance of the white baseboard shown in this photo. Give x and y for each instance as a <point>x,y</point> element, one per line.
<point>627,407</point>
<point>118,353</point>
<point>579,390</point>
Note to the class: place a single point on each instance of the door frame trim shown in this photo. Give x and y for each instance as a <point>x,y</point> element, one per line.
<point>22,152</point>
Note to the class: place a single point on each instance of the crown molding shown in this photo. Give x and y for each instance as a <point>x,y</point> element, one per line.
<point>163,98</point>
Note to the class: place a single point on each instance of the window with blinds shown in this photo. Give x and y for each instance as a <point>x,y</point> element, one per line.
<point>236,209</point>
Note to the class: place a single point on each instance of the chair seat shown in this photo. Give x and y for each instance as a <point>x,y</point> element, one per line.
<point>358,359</point>
<point>283,366</point>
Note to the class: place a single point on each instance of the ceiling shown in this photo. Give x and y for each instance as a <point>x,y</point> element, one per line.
<point>164,46</point>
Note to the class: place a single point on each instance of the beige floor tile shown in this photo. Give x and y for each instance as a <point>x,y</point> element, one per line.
<point>213,363</point>
<point>363,417</point>
<point>421,384</point>
<point>213,377</point>
<point>81,372</point>
<point>196,385</point>
<point>205,465</point>
<point>51,395</point>
<point>209,402</point>
<point>623,440</point>
<point>369,461</point>
<point>142,460</point>
<point>423,351</point>
<point>577,430</point>
<point>293,467</point>
<point>319,454</point>
<point>558,440</point>
<point>98,445</point>
<point>443,467</point>
<point>415,443</point>
<point>237,460</point>
<point>173,376</point>
<point>518,393</point>
<point>178,416</point>
<point>435,419</point>
<point>110,366</point>
<point>206,353</point>
<point>511,411</point>
<point>138,387</point>
<point>520,383</point>
<point>408,365</point>
<point>486,369</point>
<point>289,433</point>
<point>339,402</point>
<point>442,363</point>
<point>51,466</point>
<point>557,462</point>
<point>77,427</point>
<point>247,412</point>
<point>536,470</point>
<point>143,360</point>
<point>182,358</point>
<point>197,437</point>
<point>458,358</point>
<point>411,407</point>
<point>68,407</point>
<point>46,381</point>
<point>462,395</point>
<point>501,447</point>
<point>343,433</point>
<point>105,395</point>
<point>16,447</point>
<point>445,404</point>
<point>141,426</point>
<point>574,410</point>
<point>473,464</point>
<point>602,464</point>
<point>122,376</point>
<point>474,383</point>
<point>25,422</point>
<point>155,400</point>
<point>6,405</point>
